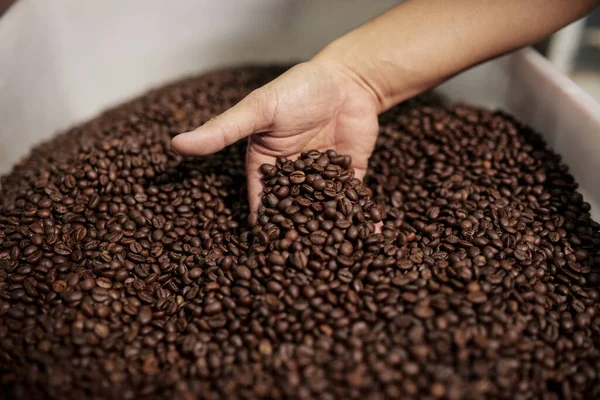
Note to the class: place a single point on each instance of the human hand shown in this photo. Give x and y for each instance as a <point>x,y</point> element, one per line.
<point>314,105</point>
<point>332,101</point>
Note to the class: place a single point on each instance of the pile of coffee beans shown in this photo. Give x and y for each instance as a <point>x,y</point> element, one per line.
<point>465,266</point>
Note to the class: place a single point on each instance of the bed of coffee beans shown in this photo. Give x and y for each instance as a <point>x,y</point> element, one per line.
<point>466,265</point>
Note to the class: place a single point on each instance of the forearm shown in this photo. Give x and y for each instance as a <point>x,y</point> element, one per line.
<point>419,43</point>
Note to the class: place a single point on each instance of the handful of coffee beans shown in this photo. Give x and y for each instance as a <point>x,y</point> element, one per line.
<point>466,266</point>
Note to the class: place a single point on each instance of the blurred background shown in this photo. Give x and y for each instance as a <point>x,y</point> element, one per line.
<point>575,50</point>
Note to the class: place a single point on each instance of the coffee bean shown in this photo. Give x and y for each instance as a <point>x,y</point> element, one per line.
<point>59,286</point>
<point>62,249</point>
<point>213,308</point>
<point>424,312</point>
<point>477,297</point>
<point>297,177</point>
<point>195,273</point>
<point>268,170</point>
<point>100,294</point>
<point>104,283</point>
<point>274,287</point>
<point>101,331</point>
<point>299,260</point>
<point>144,315</point>
<point>72,297</point>
<point>87,285</point>
<point>271,200</point>
<point>127,270</point>
<point>135,247</point>
<point>253,219</point>
<point>243,272</point>
<point>276,259</point>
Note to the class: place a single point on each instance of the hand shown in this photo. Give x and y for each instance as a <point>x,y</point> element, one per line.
<point>314,105</point>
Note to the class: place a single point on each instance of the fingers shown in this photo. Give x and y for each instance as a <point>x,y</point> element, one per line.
<point>360,147</point>
<point>255,113</point>
<point>360,173</point>
<point>254,160</point>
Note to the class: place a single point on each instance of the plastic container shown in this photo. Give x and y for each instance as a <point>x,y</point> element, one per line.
<point>63,61</point>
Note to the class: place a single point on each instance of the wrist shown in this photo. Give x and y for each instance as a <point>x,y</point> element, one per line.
<point>335,58</point>
<point>384,77</point>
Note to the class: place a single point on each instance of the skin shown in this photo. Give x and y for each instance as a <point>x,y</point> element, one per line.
<point>332,101</point>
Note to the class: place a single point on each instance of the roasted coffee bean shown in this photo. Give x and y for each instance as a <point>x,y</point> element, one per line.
<point>297,177</point>
<point>464,266</point>
<point>243,272</point>
<point>87,284</point>
<point>58,286</point>
<point>195,273</point>
<point>144,315</point>
<point>213,308</point>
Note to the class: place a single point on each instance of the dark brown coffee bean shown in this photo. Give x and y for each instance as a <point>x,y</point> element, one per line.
<point>297,177</point>
<point>423,312</point>
<point>62,249</point>
<point>243,272</point>
<point>59,286</point>
<point>268,170</point>
<point>87,285</point>
<point>101,331</point>
<point>144,315</point>
<point>213,308</point>
<point>318,237</point>
<point>100,294</point>
<point>477,297</point>
<point>195,273</point>
<point>292,210</point>
<point>72,296</point>
<point>299,260</point>
<point>253,219</point>
<point>319,184</point>
<point>127,270</point>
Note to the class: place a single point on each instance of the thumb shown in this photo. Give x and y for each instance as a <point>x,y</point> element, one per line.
<point>254,114</point>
